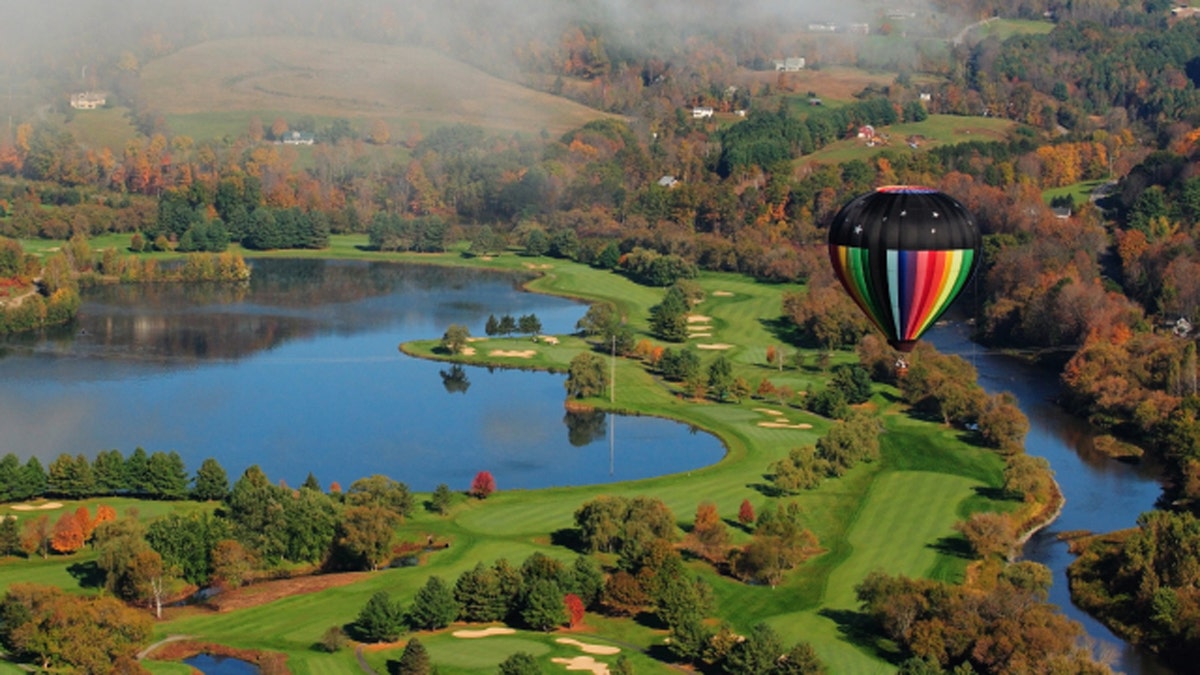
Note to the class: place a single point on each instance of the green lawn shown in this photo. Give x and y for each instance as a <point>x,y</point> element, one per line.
<point>894,514</point>
<point>934,131</point>
<point>1081,193</point>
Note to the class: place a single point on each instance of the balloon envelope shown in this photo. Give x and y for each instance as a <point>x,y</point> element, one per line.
<point>903,253</point>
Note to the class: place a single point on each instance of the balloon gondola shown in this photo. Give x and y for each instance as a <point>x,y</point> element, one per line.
<point>904,253</point>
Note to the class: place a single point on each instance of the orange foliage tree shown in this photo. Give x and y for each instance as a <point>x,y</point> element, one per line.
<point>68,536</point>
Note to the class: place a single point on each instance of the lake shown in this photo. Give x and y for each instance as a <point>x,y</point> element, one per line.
<point>300,371</point>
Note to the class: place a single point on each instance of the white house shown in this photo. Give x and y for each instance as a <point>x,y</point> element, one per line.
<point>790,65</point>
<point>698,113</point>
<point>297,138</point>
<point>88,100</point>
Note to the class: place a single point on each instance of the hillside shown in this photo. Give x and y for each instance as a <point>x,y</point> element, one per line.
<point>339,78</point>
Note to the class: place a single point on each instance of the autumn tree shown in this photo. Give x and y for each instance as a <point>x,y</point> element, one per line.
<point>989,534</point>
<point>36,535</point>
<point>482,485</point>
<point>709,537</point>
<point>365,535</point>
<point>231,563</point>
<point>68,535</point>
<point>746,512</point>
<point>379,134</point>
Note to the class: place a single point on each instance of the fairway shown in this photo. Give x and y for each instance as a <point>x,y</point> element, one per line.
<point>325,78</point>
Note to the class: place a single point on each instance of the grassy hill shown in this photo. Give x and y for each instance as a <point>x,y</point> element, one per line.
<point>216,87</point>
<point>935,131</point>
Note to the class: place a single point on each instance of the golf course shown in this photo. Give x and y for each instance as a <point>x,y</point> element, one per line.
<point>896,514</point>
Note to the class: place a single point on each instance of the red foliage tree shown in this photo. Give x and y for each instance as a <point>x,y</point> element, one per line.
<point>104,514</point>
<point>574,607</point>
<point>746,512</point>
<point>483,485</point>
<point>68,536</point>
<point>86,524</point>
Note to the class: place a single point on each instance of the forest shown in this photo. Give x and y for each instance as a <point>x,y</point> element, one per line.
<point>1108,96</point>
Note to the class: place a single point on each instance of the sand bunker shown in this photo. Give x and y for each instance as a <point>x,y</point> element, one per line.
<point>584,663</point>
<point>482,633</point>
<point>548,339</point>
<point>719,345</point>
<point>468,351</point>
<point>699,335</point>
<point>43,507</point>
<point>698,318</point>
<point>532,266</point>
<point>476,339</point>
<point>784,425</point>
<point>589,648</point>
<point>522,354</point>
<point>768,411</point>
<point>723,294</point>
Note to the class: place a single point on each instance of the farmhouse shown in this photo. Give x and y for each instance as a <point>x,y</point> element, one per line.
<point>297,138</point>
<point>790,65</point>
<point>698,113</point>
<point>668,181</point>
<point>88,100</point>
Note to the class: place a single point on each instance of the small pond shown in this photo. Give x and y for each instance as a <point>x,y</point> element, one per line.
<point>210,664</point>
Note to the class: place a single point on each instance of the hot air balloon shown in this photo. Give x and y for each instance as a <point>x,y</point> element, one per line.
<point>903,253</point>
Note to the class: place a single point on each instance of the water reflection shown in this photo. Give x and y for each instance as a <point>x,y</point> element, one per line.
<point>584,427</point>
<point>1102,494</point>
<point>299,372</point>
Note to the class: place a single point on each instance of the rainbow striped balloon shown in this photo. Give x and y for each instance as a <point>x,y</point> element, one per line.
<point>904,254</point>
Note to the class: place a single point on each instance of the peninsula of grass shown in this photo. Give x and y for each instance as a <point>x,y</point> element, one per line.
<point>895,514</point>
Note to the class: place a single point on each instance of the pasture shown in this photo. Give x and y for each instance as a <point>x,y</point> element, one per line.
<point>934,131</point>
<point>215,88</point>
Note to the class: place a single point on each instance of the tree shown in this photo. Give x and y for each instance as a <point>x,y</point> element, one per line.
<point>543,606</point>
<point>379,490</point>
<point>529,324</point>
<point>746,512</point>
<point>757,654</point>
<point>109,470</point>
<point>989,534</point>
<point>720,378</point>
<point>333,639</point>
<point>610,257</point>
<point>492,327</point>
<point>482,485</point>
<point>413,661</point>
<point>801,659</point>
<point>507,325</point>
<point>379,134</point>
<point>1001,423</point>
<point>211,482</point>
<point>68,536</point>
<point>575,609</point>
<point>668,319</point>
<point>36,536</point>
<point>586,376</point>
<point>709,537</point>
<point>433,606</point>
<point>477,592</point>
<point>380,620</point>
<point>365,535</point>
<point>601,319</point>
<point>256,509</point>
<point>536,243</point>
<point>520,663</point>
<point>10,537</point>
<point>455,339</point>
<point>440,501</point>
<point>587,580</point>
<point>137,472</point>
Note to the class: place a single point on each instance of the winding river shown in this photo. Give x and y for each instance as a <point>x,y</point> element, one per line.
<point>1102,494</point>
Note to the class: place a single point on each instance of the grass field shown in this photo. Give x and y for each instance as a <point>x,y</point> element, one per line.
<point>102,128</point>
<point>323,79</point>
<point>936,130</point>
<point>1002,29</point>
<point>894,514</point>
<point>1081,193</point>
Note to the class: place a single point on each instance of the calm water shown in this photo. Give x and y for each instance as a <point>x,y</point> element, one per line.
<point>1102,494</point>
<point>221,665</point>
<point>300,372</point>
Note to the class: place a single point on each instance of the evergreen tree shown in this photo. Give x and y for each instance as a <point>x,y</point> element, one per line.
<point>168,476</point>
<point>137,472</point>
<point>543,607</point>
<point>211,482</point>
<point>536,243</point>
<point>10,537</point>
<point>380,620</point>
<point>414,660</point>
<point>433,606</point>
<point>310,521</point>
<point>610,257</point>
<point>440,501</point>
<point>255,507</point>
<point>311,482</point>
<point>492,327</point>
<point>478,594</point>
<point>720,378</point>
<point>109,470</point>
<point>33,480</point>
<point>520,663</point>
<point>668,319</point>
<point>587,580</point>
<point>507,325</point>
<point>529,324</point>
<point>757,654</point>
<point>10,477</point>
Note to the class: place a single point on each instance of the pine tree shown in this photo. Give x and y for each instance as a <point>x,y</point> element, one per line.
<point>381,619</point>
<point>414,660</point>
<point>433,606</point>
<point>211,483</point>
<point>543,607</point>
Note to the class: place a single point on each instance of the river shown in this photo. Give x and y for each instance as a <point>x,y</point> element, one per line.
<point>1102,494</point>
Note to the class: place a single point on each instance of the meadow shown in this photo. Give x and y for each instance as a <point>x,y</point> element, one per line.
<point>934,131</point>
<point>896,514</point>
<point>215,88</point>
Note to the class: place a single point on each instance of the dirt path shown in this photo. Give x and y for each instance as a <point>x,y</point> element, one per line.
<point>362,661</point>
<point>170,638</point>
